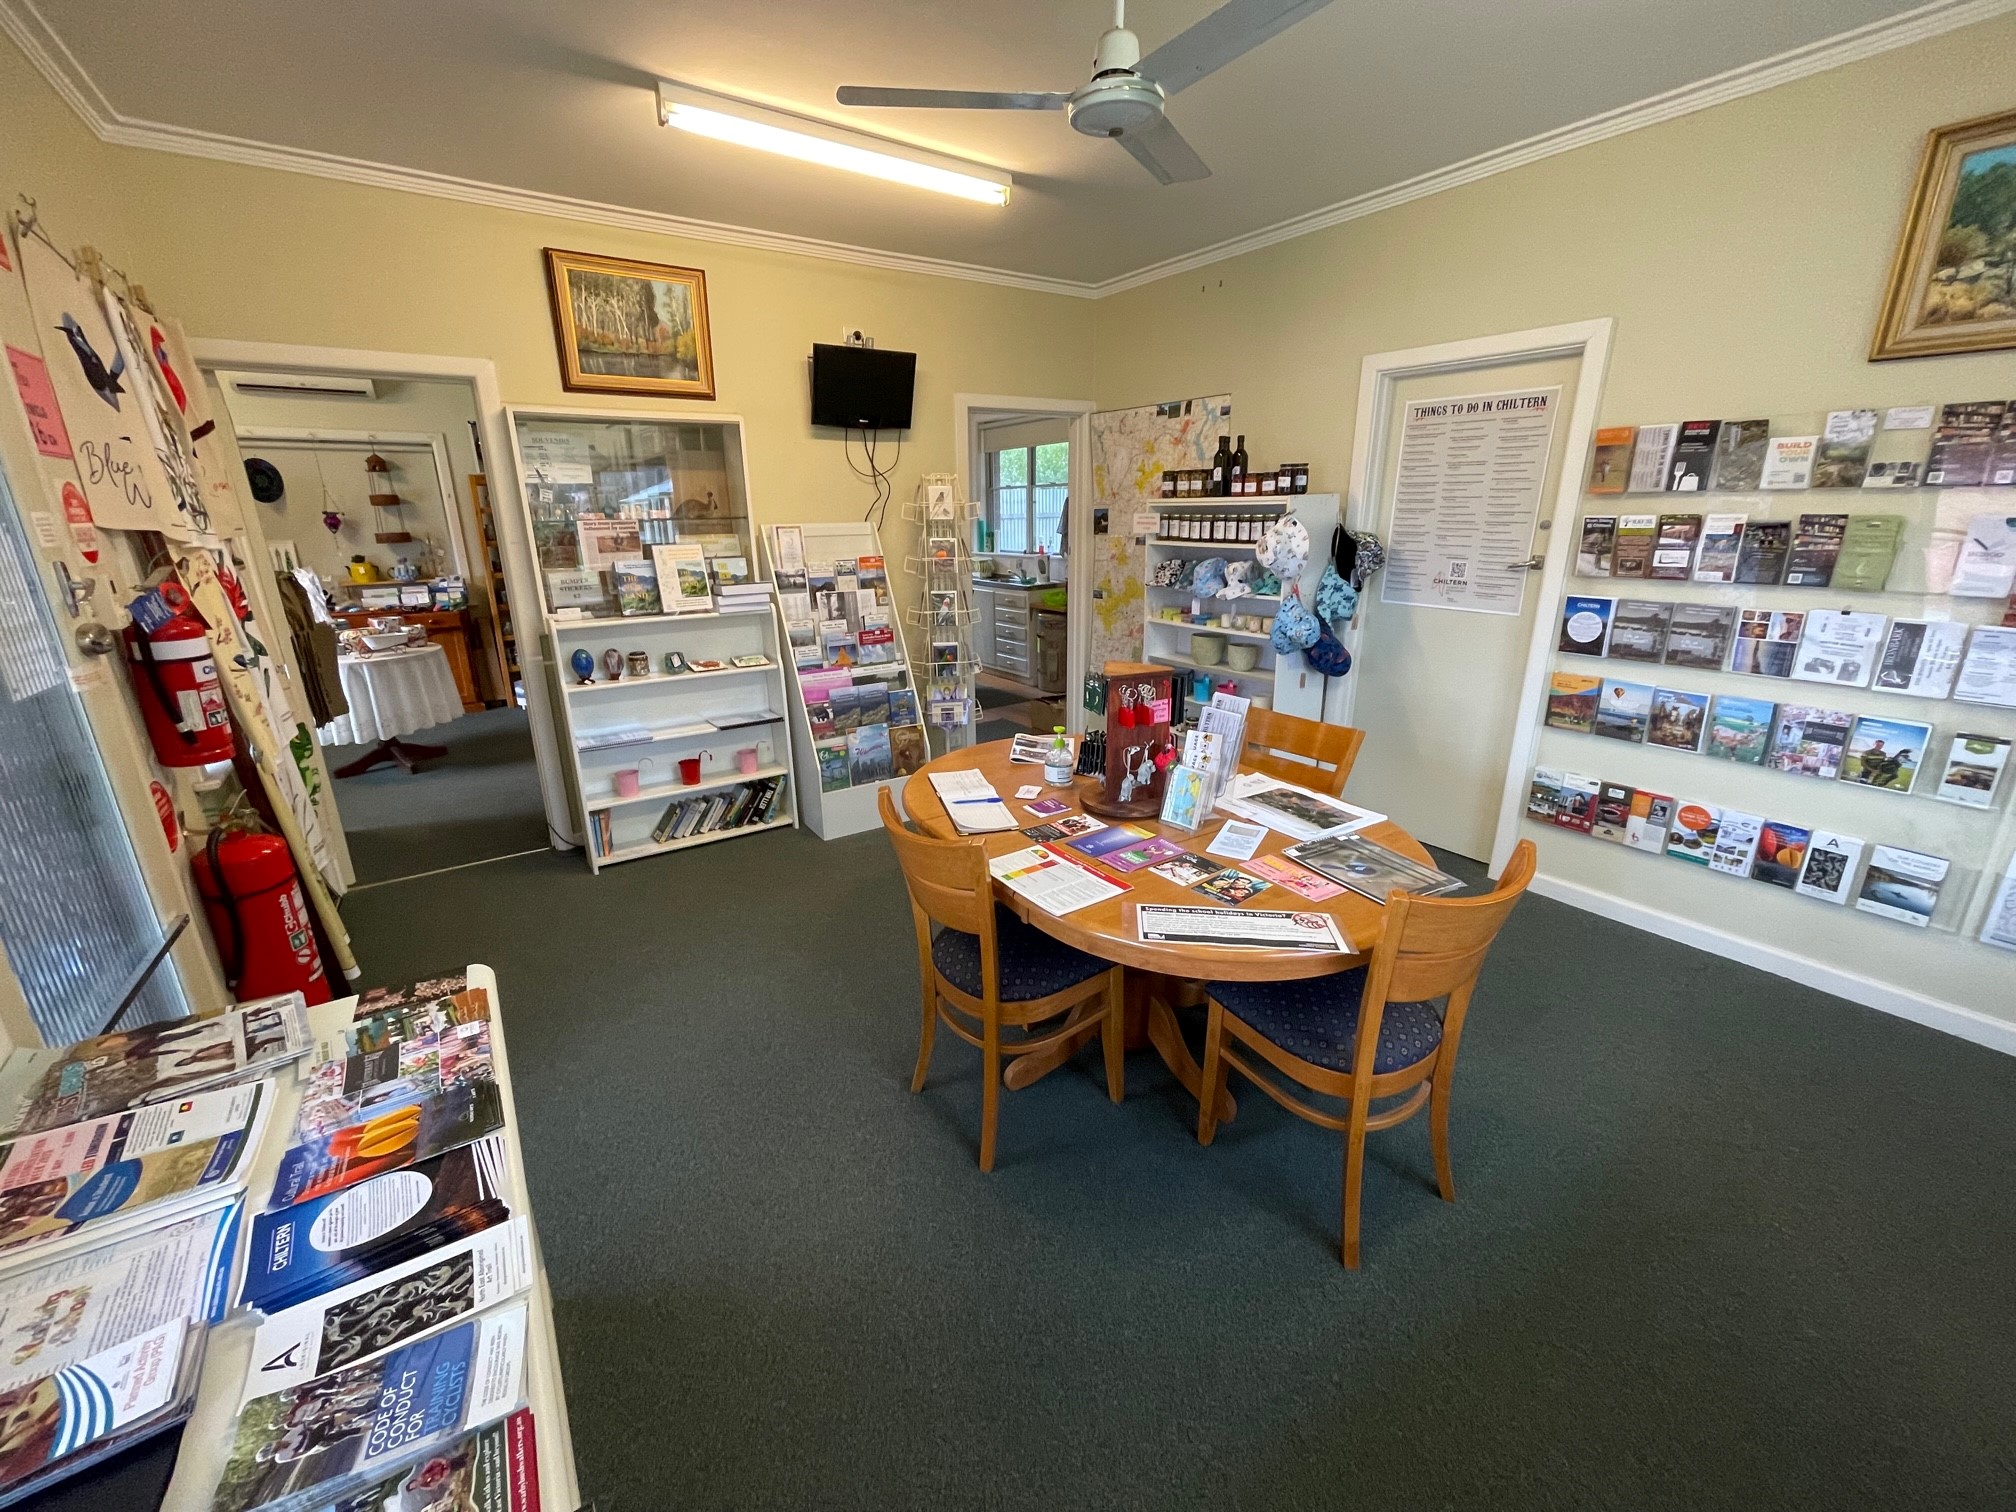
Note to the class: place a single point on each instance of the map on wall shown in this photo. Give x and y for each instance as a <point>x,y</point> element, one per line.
<point>1131,449</point>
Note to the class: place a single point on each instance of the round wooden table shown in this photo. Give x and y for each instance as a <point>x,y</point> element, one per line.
<point>1156,973</point>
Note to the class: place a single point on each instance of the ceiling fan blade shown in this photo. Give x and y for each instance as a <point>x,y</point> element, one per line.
<point>1163,152</point>
<point>949,99</point>
<point>1227,33</point>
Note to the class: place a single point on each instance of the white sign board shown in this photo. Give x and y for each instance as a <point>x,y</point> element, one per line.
<point>1466,497</point>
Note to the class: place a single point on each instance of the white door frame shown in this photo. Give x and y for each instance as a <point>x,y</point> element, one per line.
<point>968,411</point>
<point>506,509</point>
<point>430,441</point>
<point>1380,375</point>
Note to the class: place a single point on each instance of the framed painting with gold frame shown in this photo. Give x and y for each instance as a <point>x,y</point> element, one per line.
<point>628,327</point>
<point>1953,281</point>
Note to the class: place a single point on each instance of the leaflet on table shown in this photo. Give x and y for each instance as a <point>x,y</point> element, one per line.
<point>62,1312</point>
<point>97,1175</point>
<point>405,1133</point>
<point>1372,870</point>
<point>62,1414</point>
<point>400,1063</point>
<point>43,1089</point>
<point>1244,928</point>
<point>1237,840</point>
<point>1295,811</point>
<point>357,1323</point>
<point>494,1469</point>
<point>391,1023</point>
<point>1297,879</point>
<point>1054,883</point>
<point>1034,750</point>
<point>306,1446</point>
<point>314,1246</point>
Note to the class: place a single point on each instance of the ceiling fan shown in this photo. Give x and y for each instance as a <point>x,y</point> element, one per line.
<point>1126,98</point>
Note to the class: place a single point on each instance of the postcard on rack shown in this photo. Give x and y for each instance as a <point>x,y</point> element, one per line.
<point>1246,928</point>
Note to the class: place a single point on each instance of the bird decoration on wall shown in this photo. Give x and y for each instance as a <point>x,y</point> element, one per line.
<point>104,381</point>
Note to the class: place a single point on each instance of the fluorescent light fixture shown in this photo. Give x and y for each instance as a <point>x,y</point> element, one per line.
<point>727,119</point>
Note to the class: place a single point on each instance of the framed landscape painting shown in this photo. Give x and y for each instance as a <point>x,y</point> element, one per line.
<point>1953,282</point>
<point>628,327</point>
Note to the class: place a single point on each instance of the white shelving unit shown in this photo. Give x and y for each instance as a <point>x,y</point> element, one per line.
<point>830,814</point>
<point>659,480</point>
<point>1286,683</point>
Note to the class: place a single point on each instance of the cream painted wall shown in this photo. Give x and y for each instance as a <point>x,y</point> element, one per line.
<point>1743,252</point>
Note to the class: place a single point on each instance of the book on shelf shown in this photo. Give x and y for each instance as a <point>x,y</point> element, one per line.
<point>345,1430</point>
<point>1679,719</point>
<point>43,1088</point>
<point>612,738</point>
<point>683,584</point>
<point>1736,837</point>
<point>312,1247</point>
<point>831,751</point>
<point>1632,556</point>
<point>1739,455</point>
<point>1762,553</point>
<point>731,572</point>
<point>636,586</point>
<point>1543,794</point>
<point>1868,547</point>
<point>1998,925</point>
<point>1964,444</point>
<point>1650,455</point>
<point>1828,872</point>
<point>1902,885</point>
<point>1885,753</point>
<point>1842,459</point>
<point>868,756</point>
<point>1985,566</point>
<point>1788,462</point>
<point>420,1116</point>
<point>1638,630</point>
<point>908,750</point>
<point>1595,546</point>
<point>1610,462</point>
<point>1903,443</point>
<point>1721,548</point>
<point>1673,547</point>
<point>1973,770</point>
<point>493,1469</point>
<point>1693,462</point>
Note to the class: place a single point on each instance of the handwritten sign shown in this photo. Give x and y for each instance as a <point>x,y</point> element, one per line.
<point>38,400</point>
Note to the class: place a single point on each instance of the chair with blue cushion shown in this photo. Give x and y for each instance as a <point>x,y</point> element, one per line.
<point>1368,1034</point>
<point>986,971</point>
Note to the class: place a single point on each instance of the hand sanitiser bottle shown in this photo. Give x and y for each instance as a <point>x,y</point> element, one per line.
<point>1057,760</point>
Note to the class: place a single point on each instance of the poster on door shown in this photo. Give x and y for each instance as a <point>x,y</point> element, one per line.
<point>1466,500</point>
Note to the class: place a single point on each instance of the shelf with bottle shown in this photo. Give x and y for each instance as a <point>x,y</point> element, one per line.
<point>1231,476</point>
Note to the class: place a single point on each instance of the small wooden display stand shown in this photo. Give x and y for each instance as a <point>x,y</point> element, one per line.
<point>1139,750</point>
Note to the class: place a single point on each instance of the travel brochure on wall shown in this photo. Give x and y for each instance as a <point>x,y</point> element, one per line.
<point>1902,885</point>
<point>1973,770</point>
<point>1998,928</point>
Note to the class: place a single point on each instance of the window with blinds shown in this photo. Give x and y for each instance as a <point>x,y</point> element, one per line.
<point>75,917</point>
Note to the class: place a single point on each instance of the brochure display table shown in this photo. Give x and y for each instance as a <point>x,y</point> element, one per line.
<point>206,1438</point>
<point>1107,929</point>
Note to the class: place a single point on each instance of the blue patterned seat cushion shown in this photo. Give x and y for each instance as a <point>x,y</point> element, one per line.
<point>1317,1019</point>
<point>1033,965</point>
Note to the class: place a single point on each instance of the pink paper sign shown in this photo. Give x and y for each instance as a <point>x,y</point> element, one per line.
<point>1158,712</point>
<point>38,398</point>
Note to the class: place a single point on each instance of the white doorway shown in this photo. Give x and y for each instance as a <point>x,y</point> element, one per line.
<point>1449,699</point>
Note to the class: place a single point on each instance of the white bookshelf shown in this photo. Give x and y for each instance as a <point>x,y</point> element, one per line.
<point>680,480</point>
<point>852,809</point>
<point>1285,682</point>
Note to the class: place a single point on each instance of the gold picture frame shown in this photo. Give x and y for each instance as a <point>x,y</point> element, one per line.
<point>626,327</point>
<point>1953,280</point>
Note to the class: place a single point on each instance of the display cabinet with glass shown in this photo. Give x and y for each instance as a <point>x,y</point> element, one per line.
<point>666,657</point>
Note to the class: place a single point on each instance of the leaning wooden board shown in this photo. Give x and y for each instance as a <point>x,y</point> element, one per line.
<point>207,1437</point>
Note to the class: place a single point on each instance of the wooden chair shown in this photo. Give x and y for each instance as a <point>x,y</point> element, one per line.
<point>1326,750</point>
<point>983,952</point>
<point>1367,1034</point>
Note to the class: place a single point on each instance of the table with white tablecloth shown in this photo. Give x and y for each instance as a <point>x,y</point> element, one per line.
<point>393,693</point>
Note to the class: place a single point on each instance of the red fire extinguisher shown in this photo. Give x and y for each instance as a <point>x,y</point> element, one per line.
<point>175,680</point>
<point>252,897</point>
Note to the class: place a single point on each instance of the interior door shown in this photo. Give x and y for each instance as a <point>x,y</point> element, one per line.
<point>1438,688</point>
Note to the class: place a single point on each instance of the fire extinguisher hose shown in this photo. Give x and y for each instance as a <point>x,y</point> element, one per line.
<point>234,949</point>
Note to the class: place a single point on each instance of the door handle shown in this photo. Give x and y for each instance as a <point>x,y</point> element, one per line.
<point>1533,563</point>
<point>93,639</point>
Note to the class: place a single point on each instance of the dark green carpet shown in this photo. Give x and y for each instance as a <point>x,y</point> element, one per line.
<point>1721,1242</point>
<point>480,800</point>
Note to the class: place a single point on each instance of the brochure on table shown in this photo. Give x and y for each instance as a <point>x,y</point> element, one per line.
<point>1846,683</point>
<point>855,720</point>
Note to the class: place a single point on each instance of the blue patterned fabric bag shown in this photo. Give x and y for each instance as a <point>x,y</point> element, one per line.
<point>1295,628</point>
<point>1210,577</point>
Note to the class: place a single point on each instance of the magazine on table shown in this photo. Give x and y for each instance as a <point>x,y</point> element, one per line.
<point>1371,870</point>
<point>1239,928</point>
<point>1054,883</point>
<point>971,802</point>
<point>355,1324</point>
<point>46,1088</point>
<point>1294,811</point>
<point>326,1242</point>
<point>414,1126</point>
<point>308,1445</point>
<point>98,1178</point>
<point>396,1061</point>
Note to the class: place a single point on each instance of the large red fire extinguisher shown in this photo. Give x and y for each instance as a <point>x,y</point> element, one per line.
<point>175,680</point>
<point>252,897</point>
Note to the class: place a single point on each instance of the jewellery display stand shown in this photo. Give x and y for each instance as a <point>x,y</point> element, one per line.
<point>833,804</point>
<point>653,724</point>
<point>946,613</point>
<point>1138,747</point>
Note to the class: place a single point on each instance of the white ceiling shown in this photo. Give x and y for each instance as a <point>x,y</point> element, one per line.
<point>558,99</point>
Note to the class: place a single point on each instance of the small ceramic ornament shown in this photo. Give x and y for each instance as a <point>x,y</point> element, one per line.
<point>675,663</point>
<point>583,665</point>
<point>612,663</point>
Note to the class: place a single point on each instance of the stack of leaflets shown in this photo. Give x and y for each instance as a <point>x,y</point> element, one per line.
<point>1371,870</point>
<point>321,1442</point>
<point>494,1469</point>
<point>1210,756</point>
<point>1294,811</point>
<point>44,1088</point>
